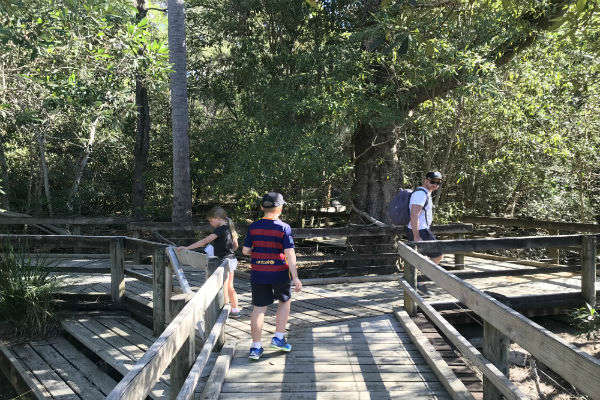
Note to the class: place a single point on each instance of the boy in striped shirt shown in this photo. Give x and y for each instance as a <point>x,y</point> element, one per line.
<point>270,245</point>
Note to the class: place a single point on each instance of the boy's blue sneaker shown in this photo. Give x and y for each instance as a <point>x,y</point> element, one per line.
<point>255,353</point>
<point>280,344</point>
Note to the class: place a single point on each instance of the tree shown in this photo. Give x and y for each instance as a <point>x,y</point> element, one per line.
<point>182,190</point>
<point>142,138</point>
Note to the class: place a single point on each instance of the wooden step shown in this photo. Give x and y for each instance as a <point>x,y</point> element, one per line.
<point>119,342</point>
<point>54,369</point>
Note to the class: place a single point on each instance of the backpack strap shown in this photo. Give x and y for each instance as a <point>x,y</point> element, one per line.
<point>422,189</point>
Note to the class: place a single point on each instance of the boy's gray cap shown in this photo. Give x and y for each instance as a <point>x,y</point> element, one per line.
<point>272,199</point>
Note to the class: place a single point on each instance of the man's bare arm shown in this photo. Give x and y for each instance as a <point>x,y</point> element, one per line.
<point>415,210</point>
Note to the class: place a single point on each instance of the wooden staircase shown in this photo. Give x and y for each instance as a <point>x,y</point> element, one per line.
<point>87,360</point>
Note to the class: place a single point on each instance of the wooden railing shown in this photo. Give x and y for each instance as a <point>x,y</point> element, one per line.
<point>114,245</point>
<point>501,323</point>
<point>184,313</point>
<point>551,226</point>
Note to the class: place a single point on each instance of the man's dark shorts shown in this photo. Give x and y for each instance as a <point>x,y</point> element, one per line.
<point>425,234</point>
<point>265,294</point>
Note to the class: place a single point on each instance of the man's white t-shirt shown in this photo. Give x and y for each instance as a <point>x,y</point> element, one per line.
<point>418,197</point>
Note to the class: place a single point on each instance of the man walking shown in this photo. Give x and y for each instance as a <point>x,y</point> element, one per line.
<point>421,212</point>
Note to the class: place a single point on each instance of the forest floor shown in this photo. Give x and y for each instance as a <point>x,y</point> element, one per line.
<point>552,386</point>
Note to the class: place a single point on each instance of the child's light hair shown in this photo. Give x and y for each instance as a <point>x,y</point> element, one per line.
<point>220,213</point>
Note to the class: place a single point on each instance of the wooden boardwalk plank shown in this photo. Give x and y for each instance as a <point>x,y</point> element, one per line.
<point>88,368</point>
<point>121,361</point>
<point>366,358</point>
<point>53,383</point>
<point>66,370</point>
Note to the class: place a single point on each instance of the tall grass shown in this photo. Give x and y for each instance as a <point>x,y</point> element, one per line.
<point>26,292</point>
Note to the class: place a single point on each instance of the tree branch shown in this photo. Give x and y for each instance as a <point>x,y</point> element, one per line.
<point>500,56</point>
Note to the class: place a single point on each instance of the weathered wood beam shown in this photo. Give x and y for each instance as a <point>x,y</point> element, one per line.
<point>68,241</point>
<point>189,386</point>
<point>117,270</point>
<point>138,382</point>
<point>588,269</point>
<point>303,233</point>
<point>410,276</point>
<point>183,361</point>
<point>577,367</point>
<point>532,224</point>
<point>527,242</point>
<point>489,370</point>
<point>168,226</point>
<point>160,275</point>
<point>215,381</point>
<point>496,347</point>
<point>65,221</point>
<point>456,389</point>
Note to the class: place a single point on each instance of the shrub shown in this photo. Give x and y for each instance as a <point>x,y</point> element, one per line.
<point>587,320</point>
<point>26,292</point>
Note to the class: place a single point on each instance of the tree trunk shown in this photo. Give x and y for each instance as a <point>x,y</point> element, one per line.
<point>41,139</point>
<point>377,170</point>
<point>182,190</point>
<point>377,174</point>
<point>82,164</point>
<point>142,138</point>
<point>4,177</point>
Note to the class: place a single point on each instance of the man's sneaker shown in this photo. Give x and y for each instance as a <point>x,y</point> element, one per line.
<point>255,353</point>
<point>280,344</point>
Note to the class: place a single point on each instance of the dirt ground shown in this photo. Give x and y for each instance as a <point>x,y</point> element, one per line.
<point>552,386</point>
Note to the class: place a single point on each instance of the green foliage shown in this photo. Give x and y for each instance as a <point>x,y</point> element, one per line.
<point>277,89</point>
<point>587,321</point>
<point>26,292</point>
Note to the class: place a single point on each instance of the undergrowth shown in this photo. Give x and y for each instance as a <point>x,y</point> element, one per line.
<point>26,293</point>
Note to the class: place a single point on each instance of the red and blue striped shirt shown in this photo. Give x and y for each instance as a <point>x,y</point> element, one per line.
<point>268,239</point>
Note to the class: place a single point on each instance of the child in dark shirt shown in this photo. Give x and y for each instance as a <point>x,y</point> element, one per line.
<point>224,242</point>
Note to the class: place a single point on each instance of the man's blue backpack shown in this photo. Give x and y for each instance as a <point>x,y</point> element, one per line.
<point>399,210</point>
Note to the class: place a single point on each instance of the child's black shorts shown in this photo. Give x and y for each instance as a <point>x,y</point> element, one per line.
<point>265,294</point>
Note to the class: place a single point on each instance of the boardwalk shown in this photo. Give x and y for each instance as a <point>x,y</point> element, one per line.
<point>347,344</point>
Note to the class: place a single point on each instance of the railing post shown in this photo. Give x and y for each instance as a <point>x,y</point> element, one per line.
<point>588,269</point>
<point>410,275</point>
<point>213,309</point>
<point>183,361</point>
<point>117,270</point>
<point>554,253</point>
<point>495,348</point>
<point>137,255</point>
<point>160,292</point>
<point>221,299</point>
<point>459,259</point>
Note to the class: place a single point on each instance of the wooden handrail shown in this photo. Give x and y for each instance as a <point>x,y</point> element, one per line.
<point>360,230</point>
<point>188,387</point>
<point>506,387</point>
<point>65,220</point>
<point>174,260</point>
<point>527,242</point>
<point>577,367</point>
<point>532,224</point>
<point>147,370</point>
